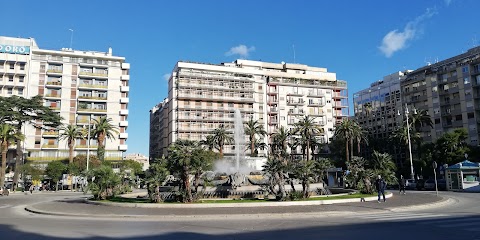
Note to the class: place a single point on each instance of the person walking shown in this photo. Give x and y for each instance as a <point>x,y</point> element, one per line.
<point>402,184</point>
<point>381,185</point>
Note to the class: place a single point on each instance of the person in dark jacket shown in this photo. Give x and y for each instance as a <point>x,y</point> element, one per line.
<point>381,185</point>
<point>402,184</point>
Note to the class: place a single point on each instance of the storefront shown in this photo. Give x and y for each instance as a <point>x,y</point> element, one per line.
<point>464,176</point>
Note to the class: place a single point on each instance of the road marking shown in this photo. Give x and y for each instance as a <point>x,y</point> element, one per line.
<point>397,216</point>
<point>5,206</point>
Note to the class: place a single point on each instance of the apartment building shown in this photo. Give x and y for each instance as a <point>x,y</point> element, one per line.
<point>450,91</point>
<point>78,85</point>
<point>203,97</point>
<point>376,110</point>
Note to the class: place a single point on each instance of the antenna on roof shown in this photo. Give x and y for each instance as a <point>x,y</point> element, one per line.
<point>293,46</point>
<point>71,37</point>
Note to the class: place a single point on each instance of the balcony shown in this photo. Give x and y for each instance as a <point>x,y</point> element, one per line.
<point>123,135</point>
<point>122,147</point>
<point>125,65</point>
<point>339,96</point>
<point>272,101</point>
<point>98,98</point>
<point>273,121</point>
<point>92,86</point>
<point>125,77</point>
<point>123,124</point>
<point>81,146</point>
<point>50,134</point>
<point>296,112</point>
<point>93,75</point>
<point>295,94</point>
<point>123,112</point>
<point>54,108</point>
<point>316,104</point>
<point>89,109</point>
<point>50,146</point>
<point>317,113</point>
<point>54,72</point>
<point>295,103</point>
<point>51,95</point>
<point>273,110</point>
<point>56,84</point>
<point>124,100</point>
<point>315,94</point>
<point>124,88</point>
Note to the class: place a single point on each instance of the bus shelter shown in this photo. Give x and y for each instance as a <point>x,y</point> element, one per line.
<point>464,176</point>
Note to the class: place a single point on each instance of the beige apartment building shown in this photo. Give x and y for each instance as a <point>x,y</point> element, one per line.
<point>203,97</point>
<point>450,91</point>
<point>78,85</point>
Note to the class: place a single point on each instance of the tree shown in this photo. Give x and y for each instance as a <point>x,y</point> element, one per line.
<point>81,162</point>
<point>70,133</point>
<point>321,167</point>
<point>252,129</point>
<point>345,131</point>
<point>359,135</point>
<point>383,165</point>
<point>20,111</point>
<point>420,118</point>
<point>222,137</point>
<point>209,142</point>
<point>8,135</point>
<point>55,171</point>
<point>451,146</point>
<point>279,140</point>
<point>400,135</point>
<point>154,177</point>
<point>305,171</point>
<point>185,158</point>
<point>103,182</point>
<point>103,129</point>
<point>275,168</point>
<point>308,130</point>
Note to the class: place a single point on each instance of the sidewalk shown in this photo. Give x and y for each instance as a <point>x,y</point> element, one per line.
<point>80,208</point>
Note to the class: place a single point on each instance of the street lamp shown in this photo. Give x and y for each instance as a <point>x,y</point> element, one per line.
<point>412,175</point>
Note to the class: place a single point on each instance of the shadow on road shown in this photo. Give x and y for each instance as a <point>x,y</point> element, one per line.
<point>444,228</point>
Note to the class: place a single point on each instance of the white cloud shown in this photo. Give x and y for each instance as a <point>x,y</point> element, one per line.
<point>447,2</point>
<point>166,76</point>
<point>397,40</point>
<point>240,50</point>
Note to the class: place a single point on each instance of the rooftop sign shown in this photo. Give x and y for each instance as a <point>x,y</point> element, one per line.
<point>14,49</point>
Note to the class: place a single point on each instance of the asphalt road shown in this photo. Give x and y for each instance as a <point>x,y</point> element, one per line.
<point>458,220</point>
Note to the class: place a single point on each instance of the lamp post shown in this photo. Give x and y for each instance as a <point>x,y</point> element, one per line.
<point>412,175</point>
<point>88,139</point>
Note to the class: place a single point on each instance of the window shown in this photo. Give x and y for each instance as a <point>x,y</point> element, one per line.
<point>22,66</point>
<point>21,78</point>
<point>470,115</point>
<point>466,80</point>
<point>437,121</point>
<point>20,91</point>
<point>458,118</point>
<point>10,78</point>
<point>260,87</point>
<point>10,90</point>
<point>12,65</point>
<point>465,69</point>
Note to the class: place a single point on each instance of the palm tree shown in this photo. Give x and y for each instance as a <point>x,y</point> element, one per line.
<point>8,135</point>
<point>359,135</point>
<point>102,129</point>
<point>383,165</point>
<point>253,128</point>
<point>308,129</point>
<point>222,137</point>
<point>280,140</point>
<point>420,119</point>
<point>209,142</point>
<point>401,136</point>
<point>345,130</point>
<point>70,133</point>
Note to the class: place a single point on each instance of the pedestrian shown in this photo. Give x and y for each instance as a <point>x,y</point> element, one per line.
<point>381,185</point>
<point>31,189</point>
<point>402,184</point>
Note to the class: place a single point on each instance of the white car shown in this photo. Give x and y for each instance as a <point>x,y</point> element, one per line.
<point>411,184</point>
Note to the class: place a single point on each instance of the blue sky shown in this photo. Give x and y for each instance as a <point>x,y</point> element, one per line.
<point>361,41</point>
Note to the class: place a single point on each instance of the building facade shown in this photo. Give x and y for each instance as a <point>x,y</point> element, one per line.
<point>203,97</point>
<point>78,85</point>
<point>137,157</point>
<point>376,110</point>
<point>450,91</point>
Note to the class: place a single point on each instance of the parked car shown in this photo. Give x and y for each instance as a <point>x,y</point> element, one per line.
<point>430,184</point>
<point>421,184</point>
<point>411,184</point>
<point>4,191</point>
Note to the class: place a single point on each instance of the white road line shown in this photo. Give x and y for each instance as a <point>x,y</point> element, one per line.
<point>5,206</point>
<point>443,221</point>
<point>394,215</point>
<point>408,217</point>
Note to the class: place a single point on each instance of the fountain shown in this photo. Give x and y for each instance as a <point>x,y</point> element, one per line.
<point>239,138</point>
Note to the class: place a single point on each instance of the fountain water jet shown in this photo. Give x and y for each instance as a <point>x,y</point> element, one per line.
<point>239,138</point>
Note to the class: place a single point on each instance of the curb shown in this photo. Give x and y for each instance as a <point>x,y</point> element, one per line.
<point>237,205</point>
<point>445,201</point>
